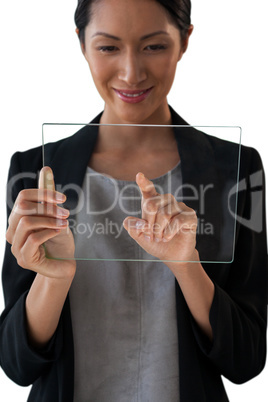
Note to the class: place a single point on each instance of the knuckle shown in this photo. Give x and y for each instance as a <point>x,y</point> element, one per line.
<point>189,224</point>
<point>192,212</point>
<point>170,198</point>
<point>24,221</point>
<point>20,261</point>
<point>22,206</point>
<point>9,219</point>
<point>176,223</point>
<point>165,215</point>
<point>47,209</point>
<point>157,229</point>
<point>33,239</point>
<point>188,211</point>
<point>13,250</point>
<point>192,217</point>
<point>182,205</point>
<point>194,225</point>
<point>9,237</point>
<point>150,206</point>
<point>22,195</point>
<point>168,234</point>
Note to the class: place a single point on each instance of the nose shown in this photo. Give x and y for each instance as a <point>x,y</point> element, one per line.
<point>132,70</point>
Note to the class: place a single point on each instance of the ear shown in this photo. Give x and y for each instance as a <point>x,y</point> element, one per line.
<point>186,42</point>
<point>81,44</point>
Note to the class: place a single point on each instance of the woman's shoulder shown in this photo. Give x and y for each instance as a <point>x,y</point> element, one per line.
<point>33,158</point>
<point>224,151</point>
<point>230,152</point>
<point>36,157</point>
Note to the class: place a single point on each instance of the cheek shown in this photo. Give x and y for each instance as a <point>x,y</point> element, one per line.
<point>101,71</point>
<point>97,71</point>
<point>165,69</point>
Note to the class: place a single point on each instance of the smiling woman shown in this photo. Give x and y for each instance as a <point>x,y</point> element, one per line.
<point>133,60</point>
<point>163,330</point>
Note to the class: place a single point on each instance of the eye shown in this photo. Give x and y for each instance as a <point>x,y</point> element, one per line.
<point>107,49</point>
<point>155,48</point>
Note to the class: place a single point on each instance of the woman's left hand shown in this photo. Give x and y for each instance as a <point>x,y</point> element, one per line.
<point>167,229</point>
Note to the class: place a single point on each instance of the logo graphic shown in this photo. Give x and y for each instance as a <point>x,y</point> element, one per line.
<point>255,220</point>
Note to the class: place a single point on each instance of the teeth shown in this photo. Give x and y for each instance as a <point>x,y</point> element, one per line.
<point>133,95</point>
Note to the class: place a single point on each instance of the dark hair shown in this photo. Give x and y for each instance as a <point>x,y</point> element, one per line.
<point>179,11</point>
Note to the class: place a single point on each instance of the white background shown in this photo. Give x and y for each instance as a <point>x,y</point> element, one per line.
<point>220,81</point>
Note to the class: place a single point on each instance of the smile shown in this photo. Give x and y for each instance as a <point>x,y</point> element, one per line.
<point>133,96</point>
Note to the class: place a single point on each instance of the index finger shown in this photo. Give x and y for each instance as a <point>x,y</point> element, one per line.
<point>146,186</point>
<point>39,195</point>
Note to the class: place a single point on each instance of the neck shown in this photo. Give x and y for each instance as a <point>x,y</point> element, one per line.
<point>144,138</point>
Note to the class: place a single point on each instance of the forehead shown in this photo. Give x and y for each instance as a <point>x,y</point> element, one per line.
<point>130,17</point>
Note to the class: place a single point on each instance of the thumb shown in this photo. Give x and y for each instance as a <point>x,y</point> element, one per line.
<point>46,179</point>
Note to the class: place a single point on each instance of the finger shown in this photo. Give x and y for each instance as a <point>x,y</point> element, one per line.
<point>149,201</point>
<point>29,224</point>
<point>40,195</point>
<point>32,195</point>
<point>158,211</point>
<point>163,219</point>
<point>24,207</point>
<point>184,223</point>
<point>139,225</point>
<point>46,179</point>
<point>31,254</point>
<point>46,183</point>
<point>135,227</point>
<point>146,186</point>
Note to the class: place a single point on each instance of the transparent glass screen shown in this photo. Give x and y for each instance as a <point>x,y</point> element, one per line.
<point>195,172</point>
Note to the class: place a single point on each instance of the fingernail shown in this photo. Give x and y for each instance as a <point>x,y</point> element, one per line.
<point>140,175</point>
<point>49,180</point>
<point>63,212</point>
<point>60,197</point>
<point>49,176</point>
<point>61,222</point>
<point>148,238</point>
<point>140,224</point>
<point>158,239</point>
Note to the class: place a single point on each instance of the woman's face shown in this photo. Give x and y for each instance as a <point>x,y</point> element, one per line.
<point>132,48</point>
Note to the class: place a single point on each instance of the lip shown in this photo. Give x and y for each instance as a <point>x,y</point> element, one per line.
<point>133,96</point>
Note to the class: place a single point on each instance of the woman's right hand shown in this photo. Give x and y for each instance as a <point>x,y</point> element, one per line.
<point>38,228</point>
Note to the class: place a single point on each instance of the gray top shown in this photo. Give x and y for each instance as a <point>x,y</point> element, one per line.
<point>123,312</point>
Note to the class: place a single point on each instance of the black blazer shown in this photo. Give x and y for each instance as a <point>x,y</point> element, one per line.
<point>238,312</point>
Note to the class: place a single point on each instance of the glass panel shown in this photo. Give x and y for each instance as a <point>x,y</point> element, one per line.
<point>102,190</point>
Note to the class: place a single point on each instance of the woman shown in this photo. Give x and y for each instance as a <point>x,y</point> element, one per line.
<point>216,322</point>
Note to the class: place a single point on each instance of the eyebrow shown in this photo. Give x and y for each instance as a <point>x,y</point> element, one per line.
<point>107,35</point>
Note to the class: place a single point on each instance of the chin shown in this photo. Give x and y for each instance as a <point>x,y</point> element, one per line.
<point>136,115</point>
